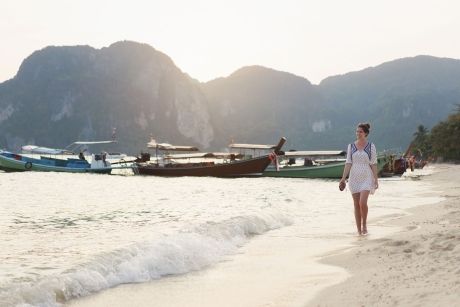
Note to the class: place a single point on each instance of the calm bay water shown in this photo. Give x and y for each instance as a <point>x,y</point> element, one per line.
<point>65,236</point>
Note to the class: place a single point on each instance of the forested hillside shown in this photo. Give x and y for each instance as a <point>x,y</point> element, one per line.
<point>64,94</point>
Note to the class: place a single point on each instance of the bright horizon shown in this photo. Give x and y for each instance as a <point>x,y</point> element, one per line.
<point>208,39</point>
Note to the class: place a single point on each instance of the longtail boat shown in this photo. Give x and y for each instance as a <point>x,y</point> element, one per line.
<point>44,159</point>
<point>314,164</point>
<point>12,162</point>
<point>231,167</point>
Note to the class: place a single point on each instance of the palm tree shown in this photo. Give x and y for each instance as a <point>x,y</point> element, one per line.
<point>421,144</point>
<point>457,106</point>
<point>421,133</point>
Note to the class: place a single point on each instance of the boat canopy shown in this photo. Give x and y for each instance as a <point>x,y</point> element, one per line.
<point>91,142</point>
<point>76,145</point>
<point>252,146</point>
<point>44,150</point>
<point>315,153</point>
<point>169,147</point>
<point>215,155</point>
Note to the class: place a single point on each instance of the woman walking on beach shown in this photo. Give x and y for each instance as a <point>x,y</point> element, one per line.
<point>361,169</point>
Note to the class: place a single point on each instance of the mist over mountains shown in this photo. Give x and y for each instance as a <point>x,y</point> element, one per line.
<point>64,94</point>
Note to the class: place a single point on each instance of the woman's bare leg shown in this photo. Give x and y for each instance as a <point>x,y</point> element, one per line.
<point>364,195</point>
<point>356,198</point>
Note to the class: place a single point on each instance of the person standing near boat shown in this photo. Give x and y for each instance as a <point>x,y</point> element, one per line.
<point>362,173</point>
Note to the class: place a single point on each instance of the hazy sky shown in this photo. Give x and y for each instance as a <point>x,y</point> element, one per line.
<point>213,38</point>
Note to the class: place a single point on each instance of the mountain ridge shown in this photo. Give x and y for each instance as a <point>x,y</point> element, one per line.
<point>61,94</point>
<point>85,92</point>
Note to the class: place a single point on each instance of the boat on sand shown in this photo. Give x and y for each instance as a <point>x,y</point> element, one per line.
<point>36,158</point>
<point>13,162</point>
<point>313,164</point>
<point>228,165</point>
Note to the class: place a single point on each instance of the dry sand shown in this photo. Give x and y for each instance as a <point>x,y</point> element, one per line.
<point>418,266</point>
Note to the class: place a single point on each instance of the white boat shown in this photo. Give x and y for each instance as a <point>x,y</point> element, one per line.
<point>38,158</point>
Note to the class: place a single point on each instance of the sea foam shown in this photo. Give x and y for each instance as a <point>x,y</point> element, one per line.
<point>187,250</point>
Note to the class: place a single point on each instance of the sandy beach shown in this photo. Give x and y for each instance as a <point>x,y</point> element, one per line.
<point>418,266</point>
<point>407,260</point>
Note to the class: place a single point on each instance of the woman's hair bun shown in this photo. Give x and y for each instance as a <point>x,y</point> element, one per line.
<point>365,126</point>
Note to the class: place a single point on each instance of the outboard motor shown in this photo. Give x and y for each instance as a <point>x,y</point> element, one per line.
<point>99,161</point>
<point>145,156</point>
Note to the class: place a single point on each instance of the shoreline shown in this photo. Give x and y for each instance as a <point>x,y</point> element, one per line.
<point>263,274</point>
<point>260,274</point>
<point>416,266</point>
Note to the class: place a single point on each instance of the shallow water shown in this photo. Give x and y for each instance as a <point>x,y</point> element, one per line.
<point>66,236</point>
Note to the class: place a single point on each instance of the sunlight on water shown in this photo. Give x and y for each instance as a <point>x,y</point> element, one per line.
<point>69,235</point>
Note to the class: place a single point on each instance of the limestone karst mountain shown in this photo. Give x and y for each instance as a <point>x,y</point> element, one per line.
<point>63,94</point>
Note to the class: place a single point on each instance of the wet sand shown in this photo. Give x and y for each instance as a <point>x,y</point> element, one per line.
<point>418,266</point>
<point>271,270</point>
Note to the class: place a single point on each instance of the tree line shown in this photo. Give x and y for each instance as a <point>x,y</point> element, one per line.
<point>441,143</point>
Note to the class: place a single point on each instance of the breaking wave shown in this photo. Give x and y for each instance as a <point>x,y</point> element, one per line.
<point>185,251</point>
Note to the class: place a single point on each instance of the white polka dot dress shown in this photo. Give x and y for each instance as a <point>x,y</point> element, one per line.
<point>361,177</point>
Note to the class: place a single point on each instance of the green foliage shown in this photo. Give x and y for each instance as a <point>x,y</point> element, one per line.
<point>63,94</point>
<point>421,145</point>
<point>394,97</point>
<point>443,141</point>
<point>445,137</point>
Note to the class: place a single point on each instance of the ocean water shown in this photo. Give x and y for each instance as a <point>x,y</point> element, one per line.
<point>66,236</point>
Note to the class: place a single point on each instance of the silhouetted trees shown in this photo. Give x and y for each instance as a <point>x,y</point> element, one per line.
<point>421,145</point>
<point>442,142</point>
<point>445,137</point>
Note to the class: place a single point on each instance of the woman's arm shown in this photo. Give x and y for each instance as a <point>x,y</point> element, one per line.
<point>373,163</point>
<point>375,172</point>
<point>348,163</point>
<point>346,171</point>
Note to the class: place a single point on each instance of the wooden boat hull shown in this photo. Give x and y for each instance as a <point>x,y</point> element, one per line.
<point>241,168</point>
<point>332,170</point>
<point>395,166</point>
<point>17,163</point>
